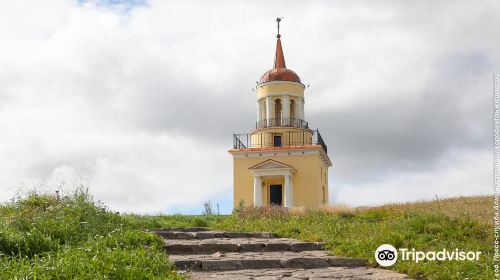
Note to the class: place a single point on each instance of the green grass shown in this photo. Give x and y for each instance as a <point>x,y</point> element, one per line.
<point>358,234</point>
<point>425,226</point>
<point>73,237</point>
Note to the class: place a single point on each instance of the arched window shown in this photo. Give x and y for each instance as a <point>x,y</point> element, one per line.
<point>277,111</point>
<point>292,109</point>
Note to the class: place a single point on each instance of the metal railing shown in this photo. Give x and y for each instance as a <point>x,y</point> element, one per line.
<point>278,139</point>
<point>290,122</point>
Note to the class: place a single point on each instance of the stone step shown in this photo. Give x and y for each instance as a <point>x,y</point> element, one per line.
<point>183,234</point>
<point>262,260</point>
<point>187,229</point>
<point>210,246</point>
<point>298,273</point>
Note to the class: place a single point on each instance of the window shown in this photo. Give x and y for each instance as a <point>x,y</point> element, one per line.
<point>277,111</point>
<point>292,109</point>
<point>277,140</point>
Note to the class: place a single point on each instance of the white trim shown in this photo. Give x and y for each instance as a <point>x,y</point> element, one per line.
<point>272,172</point>
<point>259,112</point>
<point>280,93</point>
<point>303,114</point>
<point>271,164</point>
<point>269,108</point>
<point>288,201</point>
<point>285,107</point>
<point>300,108</point>
<point>272,168</point>
<point>257,191</point>
<point>280,153</point>
<point>279,82</point>
<point>267,153</point>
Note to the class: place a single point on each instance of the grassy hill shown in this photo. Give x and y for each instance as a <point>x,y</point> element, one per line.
<point>464,223</point>
<point>479,208</point>
<point>51,237</point>
<point>73,237</point>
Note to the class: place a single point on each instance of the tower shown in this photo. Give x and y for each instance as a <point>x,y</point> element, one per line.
<point>282,161</point>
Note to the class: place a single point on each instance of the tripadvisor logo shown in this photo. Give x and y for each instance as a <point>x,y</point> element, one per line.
<point>387,255</point>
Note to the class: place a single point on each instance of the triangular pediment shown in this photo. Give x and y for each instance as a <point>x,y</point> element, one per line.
<point>271,164</point>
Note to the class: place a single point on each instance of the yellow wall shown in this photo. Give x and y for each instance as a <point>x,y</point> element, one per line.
<point>289,136</point>
<point>312,172</point>
<point>307,183</point>
<point>262,101</point>
<point>324,183</point>
<point>280,87</point>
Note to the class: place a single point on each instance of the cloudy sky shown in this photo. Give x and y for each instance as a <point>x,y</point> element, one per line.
<point>138,100</point>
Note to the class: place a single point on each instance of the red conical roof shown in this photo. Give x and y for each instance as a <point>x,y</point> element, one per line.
<point>279,72</point>
<point>279,58</point>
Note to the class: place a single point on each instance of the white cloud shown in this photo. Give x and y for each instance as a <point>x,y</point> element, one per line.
<point>461,174</point>
<point>139,102</point>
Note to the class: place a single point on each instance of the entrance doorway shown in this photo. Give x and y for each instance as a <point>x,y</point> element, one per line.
<point>276,195</point>
<point>277,141</point>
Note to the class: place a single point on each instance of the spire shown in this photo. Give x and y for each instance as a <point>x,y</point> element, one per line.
<point>279,59</point>
<point>279,71</point>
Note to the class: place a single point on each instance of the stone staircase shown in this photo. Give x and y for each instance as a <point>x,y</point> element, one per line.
<point>204,254</point>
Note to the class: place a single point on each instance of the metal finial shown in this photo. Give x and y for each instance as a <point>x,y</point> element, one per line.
<point>278,19</point>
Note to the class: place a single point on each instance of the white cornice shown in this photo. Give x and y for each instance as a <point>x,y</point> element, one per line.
<point>277,153</point>
<point>279,82</point>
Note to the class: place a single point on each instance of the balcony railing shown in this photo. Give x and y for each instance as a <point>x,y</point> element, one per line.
<point>281,139</point>
<point>287,122</point>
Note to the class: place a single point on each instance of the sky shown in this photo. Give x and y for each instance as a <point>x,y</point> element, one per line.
<point>138,100</point>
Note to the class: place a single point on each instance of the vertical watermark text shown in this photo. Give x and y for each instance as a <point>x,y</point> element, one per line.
<point>496,190</point>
